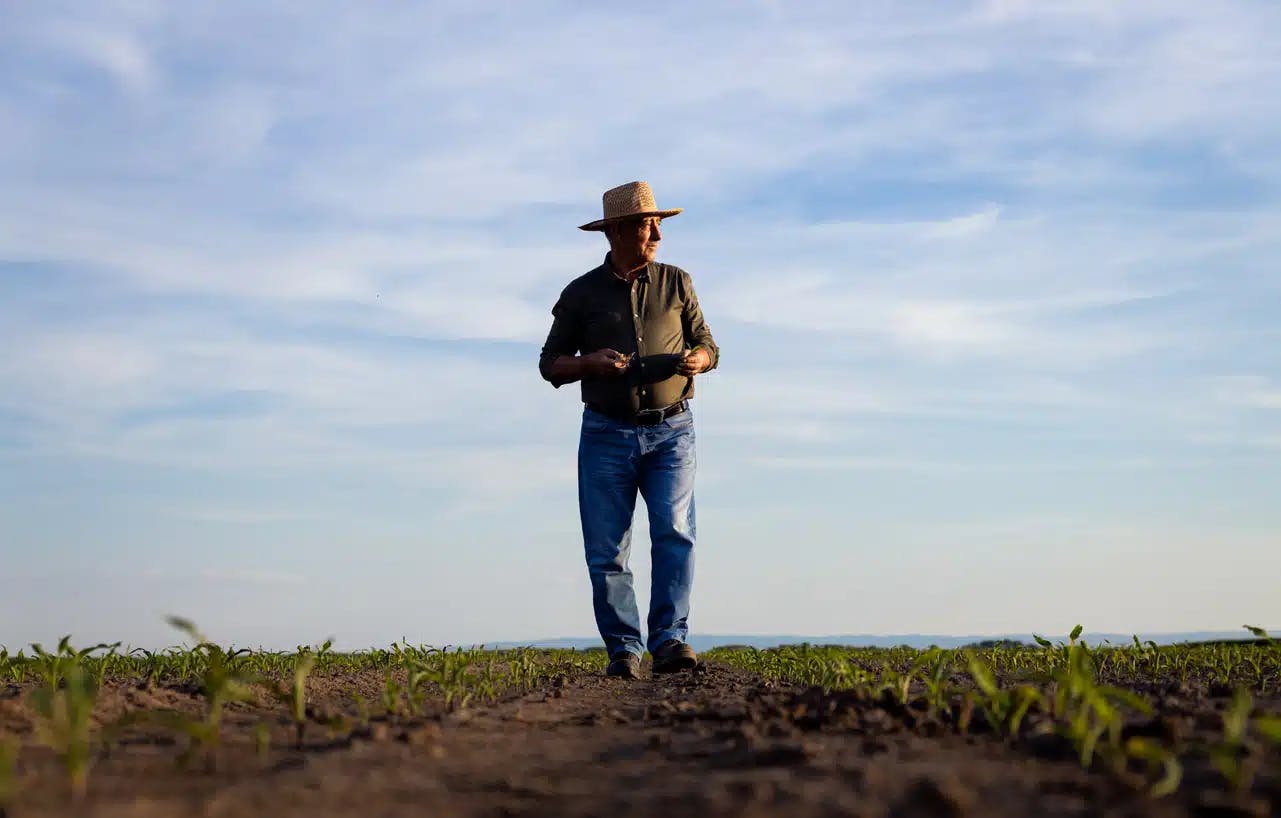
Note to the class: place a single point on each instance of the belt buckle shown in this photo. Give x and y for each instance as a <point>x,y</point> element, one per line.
<point>658,417</point>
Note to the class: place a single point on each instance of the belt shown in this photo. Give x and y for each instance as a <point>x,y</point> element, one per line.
<point>645,417</point>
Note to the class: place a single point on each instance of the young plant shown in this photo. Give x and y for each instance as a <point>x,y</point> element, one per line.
<point>53,667</point>
<point>938,666</point>
<point>222,680</point>
<point>1004,709</point>
<point>1229,757</point>
<point>64,723</point>
<point>295,696</point>
<point>262,740</point>
<point>362,710</point>
<point>1259,632</point>
<point>1269,727</point>
<point>391,695</point>
<point>1156,757</point>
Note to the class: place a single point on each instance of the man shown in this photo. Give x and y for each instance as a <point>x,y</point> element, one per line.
<point>632,331</point>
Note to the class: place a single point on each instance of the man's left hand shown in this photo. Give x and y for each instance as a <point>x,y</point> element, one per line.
<point>694,362</point>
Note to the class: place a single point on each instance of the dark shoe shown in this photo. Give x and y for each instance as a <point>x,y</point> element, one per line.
<point>673,656</point>
<point>625,665</point>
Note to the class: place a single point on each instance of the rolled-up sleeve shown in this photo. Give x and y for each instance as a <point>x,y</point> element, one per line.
<point>563,339</point>
<point>695,327</point>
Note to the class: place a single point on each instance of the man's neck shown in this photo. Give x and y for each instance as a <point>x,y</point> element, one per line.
<point>629,275</point>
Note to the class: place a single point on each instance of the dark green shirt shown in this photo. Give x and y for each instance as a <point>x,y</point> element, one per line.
<point>656,317</point>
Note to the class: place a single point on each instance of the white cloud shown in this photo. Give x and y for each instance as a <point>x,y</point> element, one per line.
<point>969,225</point>
<point>117,53</point>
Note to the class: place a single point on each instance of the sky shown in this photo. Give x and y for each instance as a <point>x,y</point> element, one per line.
<point>995,285</point>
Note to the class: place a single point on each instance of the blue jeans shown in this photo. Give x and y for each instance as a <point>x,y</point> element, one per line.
<point>614,461</point>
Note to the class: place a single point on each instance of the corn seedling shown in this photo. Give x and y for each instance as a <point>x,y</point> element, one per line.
<point>1230,757</point>
<point>362,710</point>
<point>53,667</point>
<point>1259,632</point>
<point>222,680</point>
<point>12,668</point>
<point>64,722</point>
<point>1270,728</point>
<point>1085,710</point>
<point>938,666</point>
<point>1156,758</point>
<point>262,740</point>
<point>295,696</point>
<point>391,695</point>
<point>1003,709</point>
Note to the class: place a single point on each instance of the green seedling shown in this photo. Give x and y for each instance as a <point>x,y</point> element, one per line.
<point>391,695</point>
<point>295,696</point>
<point>1230,757</point>
<point>64,723</point>
<point>1086,711</point>
<point>53,667</point>
<point>222,680</point>
<point>1157,758</point>
<point>362,710</point>
<point>1004,709</point>
<point>1270,728</point>
<point>938,667</point>
<point>262,740</point>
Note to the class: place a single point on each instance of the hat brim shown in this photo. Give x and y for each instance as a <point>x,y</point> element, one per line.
<point>599,224</point>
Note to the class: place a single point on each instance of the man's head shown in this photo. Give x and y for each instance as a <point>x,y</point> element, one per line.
<point>634,242</point>
<point>630,220</point>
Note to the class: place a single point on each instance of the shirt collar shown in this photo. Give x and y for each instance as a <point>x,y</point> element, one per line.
<point>643,275</point>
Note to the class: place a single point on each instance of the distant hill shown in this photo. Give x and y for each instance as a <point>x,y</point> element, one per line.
<point>915,640</point>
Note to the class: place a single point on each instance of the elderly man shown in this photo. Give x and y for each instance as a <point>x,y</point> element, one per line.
<point>632,331</point>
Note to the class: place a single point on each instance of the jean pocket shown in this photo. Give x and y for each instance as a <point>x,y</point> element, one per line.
<point>683,420</point>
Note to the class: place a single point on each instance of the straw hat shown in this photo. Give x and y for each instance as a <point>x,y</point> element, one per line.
<point>628,201</point>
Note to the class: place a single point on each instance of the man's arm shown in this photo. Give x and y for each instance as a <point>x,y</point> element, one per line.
<point>559,362</point>
<point>705,354</point>
<point>569,368</point>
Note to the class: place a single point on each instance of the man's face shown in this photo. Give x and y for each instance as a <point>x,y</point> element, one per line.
<point>635,241</point>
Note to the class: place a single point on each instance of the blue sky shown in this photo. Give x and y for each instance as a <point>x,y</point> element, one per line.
<point>995,285</point>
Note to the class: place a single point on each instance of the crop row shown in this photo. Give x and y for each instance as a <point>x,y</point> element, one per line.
<point>1087,697</point>
<point>1094,699</point>
<point>67,682</point>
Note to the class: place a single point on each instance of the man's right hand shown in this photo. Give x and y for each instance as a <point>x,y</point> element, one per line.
<point>604,363</point>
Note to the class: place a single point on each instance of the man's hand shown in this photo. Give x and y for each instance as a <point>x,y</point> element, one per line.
<point>606,363</point>
<point>694,362</point>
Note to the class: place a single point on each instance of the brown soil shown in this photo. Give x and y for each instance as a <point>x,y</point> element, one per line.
<point>715,742</point>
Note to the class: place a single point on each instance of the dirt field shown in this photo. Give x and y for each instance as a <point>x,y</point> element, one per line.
<point>715,742</point>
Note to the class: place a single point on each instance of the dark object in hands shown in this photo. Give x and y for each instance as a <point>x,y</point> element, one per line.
<point>652,368</point>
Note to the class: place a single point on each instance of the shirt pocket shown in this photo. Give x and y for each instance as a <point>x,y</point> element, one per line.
<point>603,328</point>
